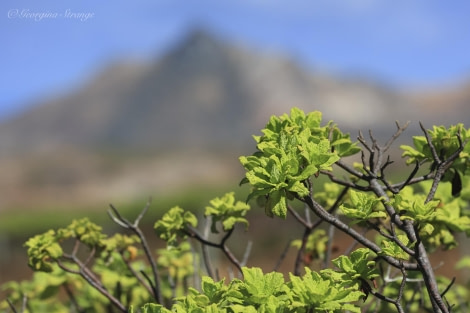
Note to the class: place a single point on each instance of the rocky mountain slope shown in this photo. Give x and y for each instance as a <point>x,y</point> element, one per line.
<point>155,124</point>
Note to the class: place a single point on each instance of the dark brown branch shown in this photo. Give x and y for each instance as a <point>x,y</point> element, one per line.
<point>298,217</point>
<point>393,238</point>
<point>368,289</point>
<point>300,253</point>
<point>134,227</point>
<point>442,166</point>
<point>400,130</point>
<point>282,256</point>
<point>420,252</point>
<point>350,169</point>
<point>12,307</point>
<point>327,217</point>
<point>363,141</point>
<point>345,183</point>
<point>189,231</point>
<point>91,279</point>
<point>435,156</point>
<point>448,287</point>
<point>150,282</point>
<point>136,275</point>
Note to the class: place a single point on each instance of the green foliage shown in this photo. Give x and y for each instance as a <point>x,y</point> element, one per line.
<point>393,249</point>
<point>363,207</point>
<point>437,220</point>
<point>445,141</point>
<point>171,226</point>
<point>260,292</point>
<point>83,230</point>
<point>176,266</point>
<point>150,308</point>
<point>42,249</point>
<point>356,267</point>
<point>292,149</point>
<point>227,211</point>
<point>320,293</point>
<point>391,273</point>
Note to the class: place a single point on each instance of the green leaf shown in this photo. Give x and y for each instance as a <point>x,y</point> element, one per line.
<point>414,207</point>
<point>43,250</point>
<point>363,207</point>
<point>85,231</point>
<point>318,293</point>
<point>259,288</point>
<point>391,248</point>
<point>227,211</point>
<point>154,308</point>
<point>173,224</point>
<point>356,266</point>
<point>445,141</point>
<point>277,204</point>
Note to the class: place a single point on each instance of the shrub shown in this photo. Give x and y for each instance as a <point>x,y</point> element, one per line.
<point>396,226</point>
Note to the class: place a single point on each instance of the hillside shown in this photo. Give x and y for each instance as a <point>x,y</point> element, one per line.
<point>140,127</point>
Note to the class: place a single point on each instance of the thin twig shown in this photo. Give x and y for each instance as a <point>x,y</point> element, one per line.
<point>448,287</point>
<point>247,253</point>
<point>134,227</point>
<point>191,232</point>
<point>205,249</point>
<point>12,307</point>
<point>282,256</point>
<point>136,275</point>
<point>300,253</point>
<point>150,282</point>
<point>92,280</point>
<point>72,298</point>
<point>329,218</point>
<point>329,245</point>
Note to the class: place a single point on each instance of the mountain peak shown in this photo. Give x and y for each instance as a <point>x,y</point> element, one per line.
<point>200,37</point>
<point>199,43</point>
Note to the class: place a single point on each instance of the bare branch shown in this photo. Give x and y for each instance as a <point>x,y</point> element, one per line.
<point>283,256</point>
<point>247,253</point>
<point>300,253</point>
<point>116,216</point>
<point>323,214</point>
<point>205,250</point>
<point>141,215</point>
<point>12,307</point>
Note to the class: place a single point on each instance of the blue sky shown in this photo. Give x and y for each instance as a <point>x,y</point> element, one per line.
<point>406,43</point>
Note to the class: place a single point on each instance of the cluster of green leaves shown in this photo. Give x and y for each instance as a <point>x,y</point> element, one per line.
<point>43,293</point>
<point>173,223</point>
<point>47,251</point>
<point>363,207</point>
<point>291,150</point>
<point>324,291</point>
<point>176,267</point>
<point>438,220</point>
<point>227,211</point>
<point>446,141</point>
<point>177,223</point>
